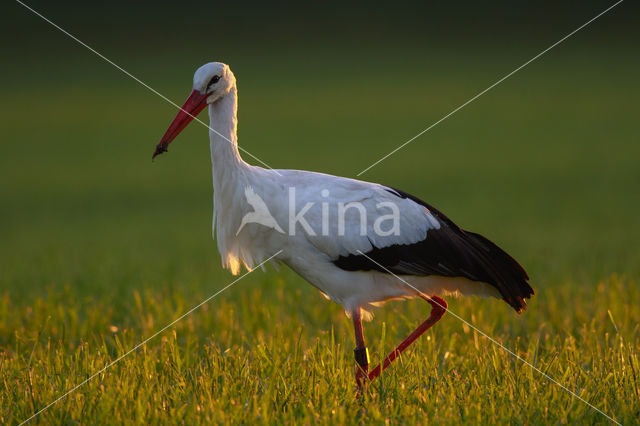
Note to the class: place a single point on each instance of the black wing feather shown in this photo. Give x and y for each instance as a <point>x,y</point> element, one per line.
<point>451,252</point>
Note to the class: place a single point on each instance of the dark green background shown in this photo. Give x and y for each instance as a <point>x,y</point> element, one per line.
<point>546,163</point>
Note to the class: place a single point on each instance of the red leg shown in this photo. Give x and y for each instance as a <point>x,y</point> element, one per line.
<point>438,308</point>
<point>360,352</point>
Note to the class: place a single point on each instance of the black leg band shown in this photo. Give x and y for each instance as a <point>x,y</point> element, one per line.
<point>362,357</point>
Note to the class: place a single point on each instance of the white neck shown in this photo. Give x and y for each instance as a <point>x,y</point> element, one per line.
<point>230,177</point>
<point>225,158</point>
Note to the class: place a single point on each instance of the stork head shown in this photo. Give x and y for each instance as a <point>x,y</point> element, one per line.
<point>211,82</point>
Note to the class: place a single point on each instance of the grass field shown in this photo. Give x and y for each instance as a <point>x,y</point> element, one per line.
<point>101,248</point>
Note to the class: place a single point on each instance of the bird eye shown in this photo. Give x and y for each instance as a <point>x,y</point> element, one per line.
<point>214,80</point>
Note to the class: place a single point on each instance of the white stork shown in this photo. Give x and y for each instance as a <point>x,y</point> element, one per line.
<point>359,243</point>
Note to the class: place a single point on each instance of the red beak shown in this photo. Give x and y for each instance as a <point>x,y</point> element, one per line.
<point>192,107</point>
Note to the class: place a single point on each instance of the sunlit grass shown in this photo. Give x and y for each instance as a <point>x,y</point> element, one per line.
<point>276,354</point>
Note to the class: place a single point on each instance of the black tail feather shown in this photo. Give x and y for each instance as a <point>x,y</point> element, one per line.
<point>486,261</point>
<point>510,274</point>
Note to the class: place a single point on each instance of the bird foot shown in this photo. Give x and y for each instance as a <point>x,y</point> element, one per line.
<point>438,308</point>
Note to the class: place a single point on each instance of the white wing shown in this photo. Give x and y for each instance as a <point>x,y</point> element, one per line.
<point>349,216</point>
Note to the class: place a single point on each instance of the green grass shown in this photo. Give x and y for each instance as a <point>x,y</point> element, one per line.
<point>101,248</point>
